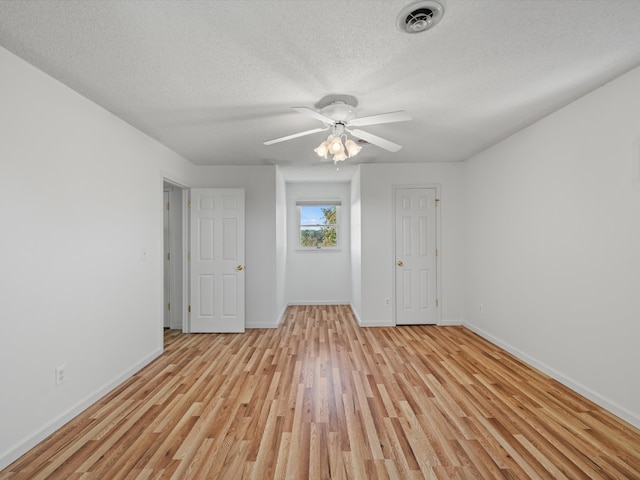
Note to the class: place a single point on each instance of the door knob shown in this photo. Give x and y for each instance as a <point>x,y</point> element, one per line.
<point>240,267</point>
<point>400,263</point>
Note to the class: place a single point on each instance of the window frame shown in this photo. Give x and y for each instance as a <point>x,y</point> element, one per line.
<point>318,203</point>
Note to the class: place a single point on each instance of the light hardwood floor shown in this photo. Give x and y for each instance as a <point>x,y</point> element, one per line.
<point>320,397</point>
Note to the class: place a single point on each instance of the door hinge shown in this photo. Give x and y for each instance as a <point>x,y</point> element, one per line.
<point>189,204</point>
<point>437,202</point>
<point>437,303</point>
<point>168,205</point>
<point>168,256</point>
<point>189,256</point>
<point>169,306</point>
<point>436,252</point>
<point>189,308</point>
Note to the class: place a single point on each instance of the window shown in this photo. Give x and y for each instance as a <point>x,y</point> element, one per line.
<point>318,224</point>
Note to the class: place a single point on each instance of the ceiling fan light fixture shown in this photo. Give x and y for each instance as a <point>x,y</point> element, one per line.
<point>339,157</point>
<point>336,145</point>
<point>323,149</point>
<point>352,147</point>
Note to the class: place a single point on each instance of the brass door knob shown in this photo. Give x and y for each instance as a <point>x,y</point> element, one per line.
<point>400,263</point>
<point>240,267</point>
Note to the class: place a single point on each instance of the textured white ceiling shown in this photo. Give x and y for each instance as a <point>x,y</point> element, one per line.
<point>213,79</point>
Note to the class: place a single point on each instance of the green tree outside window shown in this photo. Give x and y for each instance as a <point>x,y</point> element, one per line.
<point>321,232</point>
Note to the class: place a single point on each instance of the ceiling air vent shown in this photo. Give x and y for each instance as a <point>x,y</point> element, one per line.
<point>418,17</point>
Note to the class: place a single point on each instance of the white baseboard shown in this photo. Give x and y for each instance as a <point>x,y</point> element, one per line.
<point>281,317</point>
<point>10,456</point>
<point>450,323</point>
<point>275,324</point>
<point>625,414</point>
<point>376,323</point>
<point>368,323</point>
<point>381,323</point>
<point>386,323</point>
<point>355,313</point>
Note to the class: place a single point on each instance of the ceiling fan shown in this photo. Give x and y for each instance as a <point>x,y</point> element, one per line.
<point>340,117</point>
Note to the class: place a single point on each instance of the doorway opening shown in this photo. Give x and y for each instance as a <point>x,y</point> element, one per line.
<point>173,260</point>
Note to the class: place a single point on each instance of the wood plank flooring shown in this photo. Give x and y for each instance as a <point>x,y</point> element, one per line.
<point>321,398</point>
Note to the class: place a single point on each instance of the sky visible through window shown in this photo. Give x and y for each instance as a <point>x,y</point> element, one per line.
<point>312,215</point>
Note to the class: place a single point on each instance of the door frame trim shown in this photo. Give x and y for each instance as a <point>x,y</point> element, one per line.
<point>167,272</point>
<point>395,188</point>
<point>166,179</point>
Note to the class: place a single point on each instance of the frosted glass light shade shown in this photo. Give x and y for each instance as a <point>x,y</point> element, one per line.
<point>336,145</point>
<point>352,147</point>
<point>340,156</point>
<point>323,149</point>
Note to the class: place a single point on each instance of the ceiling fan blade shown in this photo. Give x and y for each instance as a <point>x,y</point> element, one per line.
<point>400,116</point>
<point>316,115</point>
<point>295,135</point>
<point>376,140</point>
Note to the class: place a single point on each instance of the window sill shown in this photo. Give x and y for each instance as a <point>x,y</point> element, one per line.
<point>321,249</point>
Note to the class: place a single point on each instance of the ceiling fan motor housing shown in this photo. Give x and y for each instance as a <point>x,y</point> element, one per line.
<point>340,111</point>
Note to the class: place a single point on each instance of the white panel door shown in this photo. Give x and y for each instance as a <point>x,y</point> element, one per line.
<point>415,237</point>
<point>217,260</point>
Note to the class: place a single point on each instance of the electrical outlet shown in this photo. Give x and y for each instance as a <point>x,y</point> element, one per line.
<point>387,302</point>
<point>60,374</point>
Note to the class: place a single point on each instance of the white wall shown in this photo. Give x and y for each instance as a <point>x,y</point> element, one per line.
<point>318,277</point>
<point>259,183</point>
<point>356,247</point>
<point>281,245</point>
<point>377,253</point>
<point>553,245</point>
<point>80,198</point>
